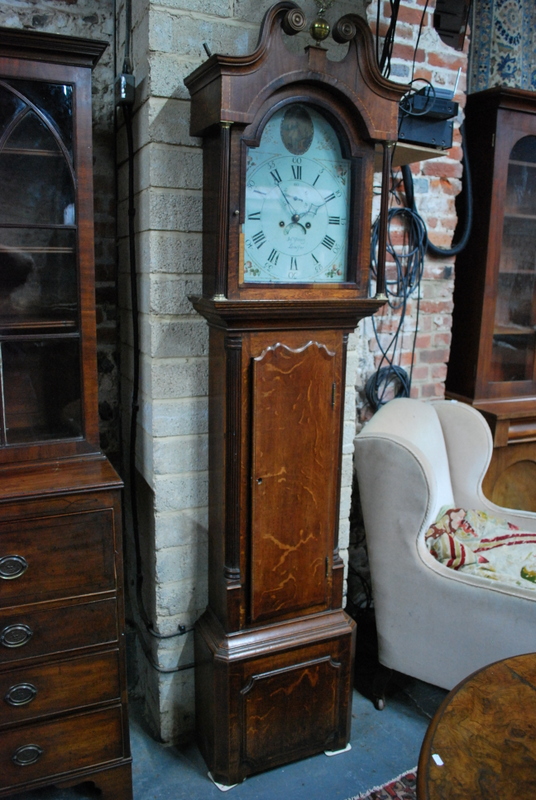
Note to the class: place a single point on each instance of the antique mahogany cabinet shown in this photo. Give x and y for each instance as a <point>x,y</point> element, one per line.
<point>63,717</point>
<point>493,356</point>
<point>288,138</point>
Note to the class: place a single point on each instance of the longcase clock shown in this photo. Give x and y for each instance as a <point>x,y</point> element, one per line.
<point>287,195</point>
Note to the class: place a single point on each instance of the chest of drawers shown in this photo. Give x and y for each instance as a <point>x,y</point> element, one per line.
<point>63,713</point>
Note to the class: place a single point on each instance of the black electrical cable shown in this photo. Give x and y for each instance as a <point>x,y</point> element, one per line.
<point>128,120</point>
<point>127,113</point>
<point>409,265</point>
<point>384,60</point>
<point>460,240</point>
<point>378,383</point>
<point>409,269</point>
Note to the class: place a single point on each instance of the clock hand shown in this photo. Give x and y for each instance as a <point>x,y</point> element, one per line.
<point>287,201</point>
<point>315,206</point>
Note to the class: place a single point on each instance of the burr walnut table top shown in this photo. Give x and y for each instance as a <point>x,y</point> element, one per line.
<point>481,742</point>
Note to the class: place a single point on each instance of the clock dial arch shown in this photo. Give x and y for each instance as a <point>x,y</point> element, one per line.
<point>300,196</point>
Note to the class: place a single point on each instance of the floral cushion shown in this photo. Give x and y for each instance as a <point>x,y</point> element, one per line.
<point>474,542</point>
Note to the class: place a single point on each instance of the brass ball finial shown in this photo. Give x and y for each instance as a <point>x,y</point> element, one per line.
<point>319,29</point>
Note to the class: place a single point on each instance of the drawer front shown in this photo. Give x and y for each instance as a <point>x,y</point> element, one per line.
<point>54,557</point>
<point>31,631</point>
<point>51,749</point>
<point>30,692</point>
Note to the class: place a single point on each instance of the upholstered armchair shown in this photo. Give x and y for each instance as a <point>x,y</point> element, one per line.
<point>433,623</point>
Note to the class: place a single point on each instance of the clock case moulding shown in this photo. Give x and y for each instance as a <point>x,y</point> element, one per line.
<point>274,649</point>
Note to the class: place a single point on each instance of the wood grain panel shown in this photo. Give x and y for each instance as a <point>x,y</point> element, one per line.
<point>306,693</point>
<point>61,686</point>
<point>295,456</point>
<point>60,629</point>
<point>485,735</point>
<point>66,744</point>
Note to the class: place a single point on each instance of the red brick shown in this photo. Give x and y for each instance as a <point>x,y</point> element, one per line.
<point>449,186</point>
<point>405,52</point>
<point>420,372</point>
<point>438,372</point>
<point>447,61</point>
<point>405,32</point>
<point>424,341</point>
<point>443,323</point>
<point>436,306</point>
<point>442,169</point>
<point>384,27</point>
<point>421,73</point>
<point>413,15</point>
<point>442,339</point>
<point>405,359</point>
<point>443,240</point>
<point>449,222</point>
<point>434,356</point>
<point>433,390</point>
<point>425,323</point>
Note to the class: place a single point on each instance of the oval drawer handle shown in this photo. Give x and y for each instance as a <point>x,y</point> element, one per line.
<point>15,635</point>
<point>20,694</point>
<point>26,755</point>
<point>12,567</point>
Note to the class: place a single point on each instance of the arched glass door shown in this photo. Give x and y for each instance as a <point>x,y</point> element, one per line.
<point>514,333</point>
<point>39,307</point>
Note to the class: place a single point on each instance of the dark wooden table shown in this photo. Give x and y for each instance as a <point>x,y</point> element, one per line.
<point>481,742</point>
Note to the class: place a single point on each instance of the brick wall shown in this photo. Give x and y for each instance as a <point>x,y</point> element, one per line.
<point>436,184</point>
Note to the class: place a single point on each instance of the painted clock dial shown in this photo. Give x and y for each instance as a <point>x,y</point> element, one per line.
<point>297,201</point>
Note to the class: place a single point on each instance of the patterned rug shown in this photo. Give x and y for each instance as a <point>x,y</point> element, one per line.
<point>402,788</point>
<point>503,44</point>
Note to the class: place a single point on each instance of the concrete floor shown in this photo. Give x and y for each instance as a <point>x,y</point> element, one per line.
<point>384,744</point>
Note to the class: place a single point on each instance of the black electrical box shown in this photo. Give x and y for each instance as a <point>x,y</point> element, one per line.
<point>426,118</point>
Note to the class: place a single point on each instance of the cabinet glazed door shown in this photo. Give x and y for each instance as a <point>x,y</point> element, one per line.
<point>41,390</point>
<point>296,438</point>
<point>514,333</point>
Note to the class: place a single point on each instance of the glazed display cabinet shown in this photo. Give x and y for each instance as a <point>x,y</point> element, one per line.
<point>493,356</point>
<point>63,717</point>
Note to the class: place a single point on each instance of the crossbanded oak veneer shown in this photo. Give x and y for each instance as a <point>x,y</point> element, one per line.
<point>274,649</point>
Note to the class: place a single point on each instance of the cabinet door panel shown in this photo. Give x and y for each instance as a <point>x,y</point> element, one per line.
<point>308,693</point>
<point>296,409</point>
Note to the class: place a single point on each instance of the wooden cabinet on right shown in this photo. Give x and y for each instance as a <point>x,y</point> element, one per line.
<point>493,355</point>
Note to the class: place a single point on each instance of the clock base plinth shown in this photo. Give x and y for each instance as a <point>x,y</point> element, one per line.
<point>270,695</point>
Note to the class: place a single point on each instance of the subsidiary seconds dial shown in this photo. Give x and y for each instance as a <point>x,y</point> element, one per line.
<point>297,197</point>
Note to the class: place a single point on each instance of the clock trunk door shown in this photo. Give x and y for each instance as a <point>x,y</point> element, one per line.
<point>296,439</point>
